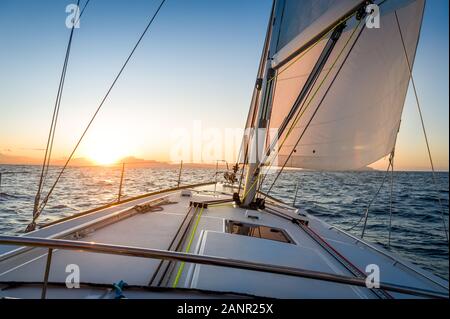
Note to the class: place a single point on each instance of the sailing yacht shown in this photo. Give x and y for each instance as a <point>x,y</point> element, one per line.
<point>329,95</point>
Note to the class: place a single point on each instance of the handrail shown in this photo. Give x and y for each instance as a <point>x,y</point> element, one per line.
<point>208,260</point>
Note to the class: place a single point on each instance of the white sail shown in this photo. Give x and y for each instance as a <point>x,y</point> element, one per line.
<point>304,20</point>
<point>357,122</point>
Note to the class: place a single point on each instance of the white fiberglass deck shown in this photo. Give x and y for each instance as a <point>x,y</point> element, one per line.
<point>157,229</point>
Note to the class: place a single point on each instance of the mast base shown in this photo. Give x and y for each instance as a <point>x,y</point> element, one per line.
<point>259,203</point>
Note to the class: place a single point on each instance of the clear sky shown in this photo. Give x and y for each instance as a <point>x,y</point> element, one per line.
<point>196,65</point>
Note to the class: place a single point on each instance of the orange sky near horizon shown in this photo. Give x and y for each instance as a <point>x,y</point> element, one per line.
<point>100,149</point>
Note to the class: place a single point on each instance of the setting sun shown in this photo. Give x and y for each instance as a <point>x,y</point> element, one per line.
<point>106,147</point>
<point>104,155</point>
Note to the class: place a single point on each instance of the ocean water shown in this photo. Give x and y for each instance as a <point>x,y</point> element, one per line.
<point>339,198</point>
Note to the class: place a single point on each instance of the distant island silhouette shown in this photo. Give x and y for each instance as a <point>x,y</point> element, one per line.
<point>130,161</point>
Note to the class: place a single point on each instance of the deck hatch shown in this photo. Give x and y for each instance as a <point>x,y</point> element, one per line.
<point>257,231</point>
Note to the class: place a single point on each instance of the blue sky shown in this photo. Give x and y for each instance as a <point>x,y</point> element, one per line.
<point>197,63</point>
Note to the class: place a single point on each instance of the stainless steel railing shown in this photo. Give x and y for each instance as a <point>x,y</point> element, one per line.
<point>52,244</point>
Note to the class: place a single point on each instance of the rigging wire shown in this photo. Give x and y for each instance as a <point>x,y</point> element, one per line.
<point>423,126</point>
<point>75,22</point>
<point>297,186</point>
<point>44,202</point>
<point>366,215</point>
<point>51,135</point>
<point>391,160</point>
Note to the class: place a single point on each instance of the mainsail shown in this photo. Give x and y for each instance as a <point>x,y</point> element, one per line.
<point>351,112</point>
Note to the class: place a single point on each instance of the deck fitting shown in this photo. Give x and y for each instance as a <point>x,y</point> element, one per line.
<point>198,205</point>
<point>259,203</point>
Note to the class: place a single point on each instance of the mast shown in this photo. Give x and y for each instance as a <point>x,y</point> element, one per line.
<point>257,149</point>
<point>264,86</point>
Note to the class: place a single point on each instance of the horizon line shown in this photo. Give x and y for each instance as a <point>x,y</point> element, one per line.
<point>212,165</point>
